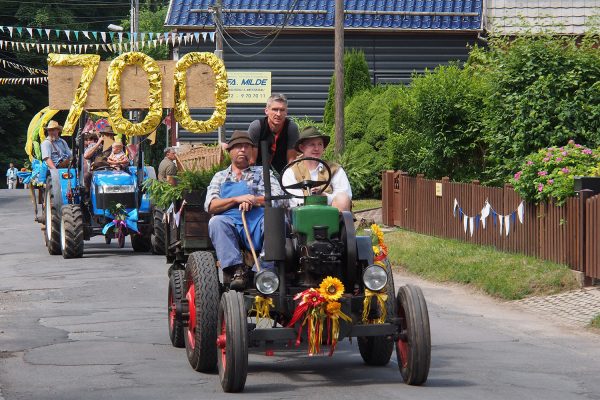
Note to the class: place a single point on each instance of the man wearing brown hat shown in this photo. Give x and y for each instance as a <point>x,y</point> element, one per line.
<point>96,154</point>
<point>312,143</point>
<point>240,187</point>
<point>55,151</point>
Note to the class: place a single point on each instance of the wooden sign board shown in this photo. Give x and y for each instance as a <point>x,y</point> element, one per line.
<point>63,81</point>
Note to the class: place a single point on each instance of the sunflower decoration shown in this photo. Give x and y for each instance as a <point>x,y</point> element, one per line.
<point>331,289</point>
<point>319,310</point>
<point>379,248</point>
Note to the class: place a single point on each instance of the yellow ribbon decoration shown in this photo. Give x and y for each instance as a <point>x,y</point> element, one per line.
<point>113,92</point>
<point>381,299</point>
<point>90,63</point>
<point>261,308</point>
<point>182,110</point>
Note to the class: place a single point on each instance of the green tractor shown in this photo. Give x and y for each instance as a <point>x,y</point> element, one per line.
<point>325,276</point>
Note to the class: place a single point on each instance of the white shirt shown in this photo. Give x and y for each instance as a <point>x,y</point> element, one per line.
<point>339,184</point>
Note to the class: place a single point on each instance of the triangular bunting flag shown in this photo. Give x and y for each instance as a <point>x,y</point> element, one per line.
<point>48,33</point>
<point>212,36</point>
<point>30,31</point>
<point>95,35</point>
<point>454,208</point>
<point>20,30</point>
<point>521,212</point>
<point>150,35</point>
<point>10,30</point>
<point>120,37</point>
<point>197,36</point>
<point>507,224</point>
<point>39,31</point>
<point>465,223</point>
<point>204,36</point>
<point>85,33</point>
<point>76,33</point>
<point>103,36</point>
<point>68,33</point>
<point>57,31</point>
<point>501,222</point>
<point>471,225</point>
<point>112,35</point>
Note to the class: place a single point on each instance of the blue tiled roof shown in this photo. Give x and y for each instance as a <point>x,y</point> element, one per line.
<point>418,14</point>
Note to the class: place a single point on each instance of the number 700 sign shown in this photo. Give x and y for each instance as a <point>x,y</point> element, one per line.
<point>135,81</point>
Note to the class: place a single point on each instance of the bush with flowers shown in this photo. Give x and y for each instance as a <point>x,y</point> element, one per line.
<point>548,174</point>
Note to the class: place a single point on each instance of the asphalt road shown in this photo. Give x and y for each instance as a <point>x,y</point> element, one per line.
<point>95,328</point>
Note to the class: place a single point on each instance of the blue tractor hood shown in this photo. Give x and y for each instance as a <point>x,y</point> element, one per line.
<point>113,178</point>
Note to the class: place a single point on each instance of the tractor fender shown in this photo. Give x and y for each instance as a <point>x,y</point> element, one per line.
<point>364,249</point>
<point>54,179</point>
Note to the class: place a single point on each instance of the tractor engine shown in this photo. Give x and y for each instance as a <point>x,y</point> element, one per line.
<point>318,246</point>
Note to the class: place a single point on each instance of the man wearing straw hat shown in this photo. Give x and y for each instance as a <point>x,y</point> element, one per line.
<point>55,151</point>
<point>238,188</point>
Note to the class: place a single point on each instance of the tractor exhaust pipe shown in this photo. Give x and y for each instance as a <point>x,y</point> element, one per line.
<point>274,243</point>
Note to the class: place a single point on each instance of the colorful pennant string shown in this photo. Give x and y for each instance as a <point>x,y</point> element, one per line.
<point>503,221</point>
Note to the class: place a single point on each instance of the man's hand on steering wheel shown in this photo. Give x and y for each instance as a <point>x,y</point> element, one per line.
<point>314,187</point>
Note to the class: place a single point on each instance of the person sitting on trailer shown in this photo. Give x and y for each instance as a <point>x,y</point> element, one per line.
<point>55,151</point>
<point>240,187</point>
<point>312,143</point>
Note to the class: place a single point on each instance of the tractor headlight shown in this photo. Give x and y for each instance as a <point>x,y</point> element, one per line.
<point>375,278</point>
<point>117,189</point>
<point>266,282</point>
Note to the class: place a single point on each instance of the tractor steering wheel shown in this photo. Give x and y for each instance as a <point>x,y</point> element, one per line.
<point>306,184</point>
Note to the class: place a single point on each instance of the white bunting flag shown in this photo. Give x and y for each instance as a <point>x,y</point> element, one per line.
<point>103,36</point>
<point>454,208</point>
<point>507,224</point>
<point>521,212</point>
<point>85,33</point>
<point>120,37</point>
<point>10,30</point>
<point>48,33</point>
<point>465,222</point>
<point>485,212</point>
<point>204,36</point>
<point>471,225</point>
<point>212,36</point>
<point>30,30</point>
<point>68,33</point>
<point>501,223</point>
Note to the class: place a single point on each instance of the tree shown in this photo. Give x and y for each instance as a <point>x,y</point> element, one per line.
<point>356,79</point>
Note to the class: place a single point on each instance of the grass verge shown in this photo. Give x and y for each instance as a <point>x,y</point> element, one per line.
<point>505,275</point>
<point>596,322</point>
<point>365,204</point>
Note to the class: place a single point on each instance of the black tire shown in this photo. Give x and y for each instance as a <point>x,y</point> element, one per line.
<point>232,342</point>
<point>413,349</point>
<point>176,293</point>
<point>159,232</point>
<point>140,243</point>
<point>377,350</point>
<point>52,213</point>
<point>202,294</point>
<point>71,231</point>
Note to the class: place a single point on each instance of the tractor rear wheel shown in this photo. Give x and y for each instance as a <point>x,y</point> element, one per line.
<point>377,350</point>
<point>413,349</point>
<point>232,342</point>
<point>52,213</point>
<point>71,231</point>
<point>158,235</point>
<point>202,294</point>
<point>176,293</point>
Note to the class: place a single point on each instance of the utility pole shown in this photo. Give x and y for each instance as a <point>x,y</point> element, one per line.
<point>219,49</point>
<point>134,23</point>
<point>339,76</point>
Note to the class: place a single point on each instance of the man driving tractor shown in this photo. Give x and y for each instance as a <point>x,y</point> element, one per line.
<point>239,188</point>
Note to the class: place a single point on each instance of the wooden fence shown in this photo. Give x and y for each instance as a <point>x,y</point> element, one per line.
<point>569,234</point>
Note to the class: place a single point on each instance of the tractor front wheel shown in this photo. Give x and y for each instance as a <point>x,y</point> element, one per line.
<point>71,231</point>
<point>413,349</point>
<point>176,289</point>
<point>159,232</point>
<point>232,342</point>
<point>202,294</point>
<point>140,243</point>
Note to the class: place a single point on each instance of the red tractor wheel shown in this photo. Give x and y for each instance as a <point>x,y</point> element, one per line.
<point>232,342</point>
<point>174,300</point>
<point>202,294</point>
<point>413,349</point>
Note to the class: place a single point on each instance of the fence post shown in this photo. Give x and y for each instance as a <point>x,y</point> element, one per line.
<point>387,198</point>
<point>583,195</point>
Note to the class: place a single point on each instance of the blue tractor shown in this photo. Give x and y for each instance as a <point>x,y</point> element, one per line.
<point>114,206</point>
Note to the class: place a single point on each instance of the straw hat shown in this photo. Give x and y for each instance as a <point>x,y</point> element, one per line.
<point>53,125</point>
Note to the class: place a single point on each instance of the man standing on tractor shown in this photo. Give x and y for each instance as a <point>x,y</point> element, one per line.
<point>280,132</point>
<point>55,151</point>
<point>238,189</point>
<point>312,143</point>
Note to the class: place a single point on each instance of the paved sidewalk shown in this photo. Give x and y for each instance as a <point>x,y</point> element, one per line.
<point>577,307</point>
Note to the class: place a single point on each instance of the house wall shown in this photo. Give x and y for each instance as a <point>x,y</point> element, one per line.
<point>302,64</point>
<point>562,16</point>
